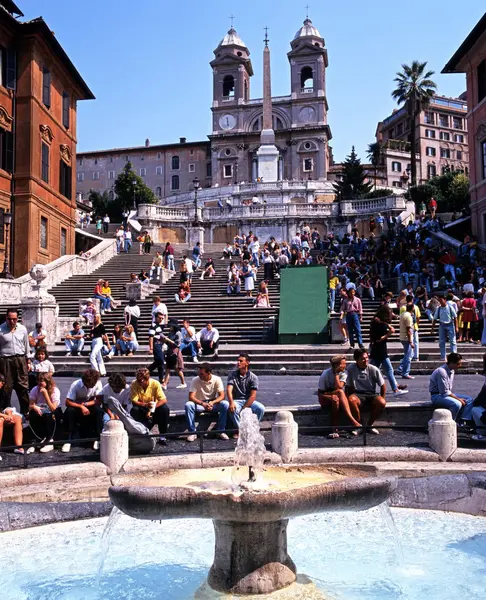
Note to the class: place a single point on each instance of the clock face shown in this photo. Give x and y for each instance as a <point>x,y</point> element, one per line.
<point>307,114</point>
<point>227,122</point>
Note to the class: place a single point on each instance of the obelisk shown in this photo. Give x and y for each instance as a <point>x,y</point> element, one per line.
<point>267,153</point>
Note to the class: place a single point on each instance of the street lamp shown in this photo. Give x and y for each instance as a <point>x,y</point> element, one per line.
<point>196,185</point>
<point>7,221</point>
<point>134,183</point>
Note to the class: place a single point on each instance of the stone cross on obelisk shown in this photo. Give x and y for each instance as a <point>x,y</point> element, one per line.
<point>267,153</point>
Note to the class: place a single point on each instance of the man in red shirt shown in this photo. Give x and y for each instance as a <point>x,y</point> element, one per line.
<point>432,207</point>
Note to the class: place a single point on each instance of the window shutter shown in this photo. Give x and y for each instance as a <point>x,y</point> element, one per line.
<point>65,109</point>
<point>9,151</point>
<point>11,70</point>
<point>46,87</point>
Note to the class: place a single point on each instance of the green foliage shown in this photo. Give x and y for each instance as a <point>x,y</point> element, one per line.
<point>353,184</point>
<point>101,203</point>
<point>375,153</point>
<point>382,193</point>
<point>130,188</point>
<point>451,191</point>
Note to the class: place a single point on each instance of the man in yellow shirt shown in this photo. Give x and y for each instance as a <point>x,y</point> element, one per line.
<point>416,314</point>
<point>149,403</point>
<point>333,285</point>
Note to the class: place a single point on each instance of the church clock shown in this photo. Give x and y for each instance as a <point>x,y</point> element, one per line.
<point>227,122</point>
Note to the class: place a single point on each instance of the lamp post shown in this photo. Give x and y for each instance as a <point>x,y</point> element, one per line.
<point>196,185</point>
<point>134,183</point>
<point>7,220</point>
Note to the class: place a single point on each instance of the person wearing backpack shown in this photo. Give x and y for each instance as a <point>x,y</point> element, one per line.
<point>446,314</point>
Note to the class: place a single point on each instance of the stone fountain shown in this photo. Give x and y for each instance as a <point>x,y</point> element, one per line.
<point>250,507</point>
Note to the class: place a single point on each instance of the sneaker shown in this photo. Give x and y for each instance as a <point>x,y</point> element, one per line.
<point>30,450</point>
<point>164,387</point>
<point>478,437</point>
<point>19,451</point>
<point>68,354</point>
<point>96,445</point>
<point>66,447</point>
<point>222,436</point>
<point>163,440</point>
<point>345,343</point>
<point>181,386</point>
<point>373,431</point>
<point>408,377</point>
<point>191,438</point>
<point>400,392</point>
<point>47,448</point>
<point>194,359</point>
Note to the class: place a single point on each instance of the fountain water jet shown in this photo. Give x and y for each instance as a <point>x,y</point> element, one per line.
<point>250,520</point>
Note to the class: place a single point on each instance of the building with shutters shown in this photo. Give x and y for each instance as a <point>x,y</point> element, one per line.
<point>39,90</point>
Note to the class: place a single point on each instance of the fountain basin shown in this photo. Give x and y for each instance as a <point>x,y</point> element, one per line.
<point>250,521</point>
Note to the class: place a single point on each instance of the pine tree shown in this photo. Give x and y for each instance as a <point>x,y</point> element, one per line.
<point>353,183</point>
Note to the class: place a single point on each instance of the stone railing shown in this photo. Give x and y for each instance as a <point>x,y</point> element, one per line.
<point>12,291</point>
<point>372,206</point>
<point>156,212</point>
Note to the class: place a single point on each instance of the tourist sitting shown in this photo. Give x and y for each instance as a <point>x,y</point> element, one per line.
<point>330,392</point>
<point>241,389</point>
<point>45,413</point>
<point>361,389</point>
<point>37,338</point>
<point>208,340</point>
<point>106,291</point>
<point>144,277</point>
<point>234,285</point>
<point>149,403</point>
<point>440,388</point>
<point>105,304</point>
<point>184,293</point>
<point>262,300</point>
<point>39,364</point>
<point>159,307</point>
<point>118,389</point>
<point>479,410</point>
<point>10,418</point>
<point>83,411</point>
<point>74,340</point>
<point>88,311</point>
<point>134,278</point>
<point>128,343</point>
<point>189,340</point>
<point>227,251</point>
<point>206,394</point>
<point>156,267</point>
<point>208,269</point>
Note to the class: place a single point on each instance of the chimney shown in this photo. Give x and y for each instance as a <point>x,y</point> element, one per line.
<point>182,140</point>
<point>147,143</point>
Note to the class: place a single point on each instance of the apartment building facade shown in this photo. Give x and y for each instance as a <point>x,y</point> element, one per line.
<point>470,58</point>
<point>441,138</point>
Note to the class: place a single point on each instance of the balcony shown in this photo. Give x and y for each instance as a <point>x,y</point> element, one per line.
<point>308,90</point>
<point>227,99</point>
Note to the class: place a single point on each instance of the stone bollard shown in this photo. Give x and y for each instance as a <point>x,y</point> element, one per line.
<point>285,433</point>
<point>114,446</point>
<point>443,433</point>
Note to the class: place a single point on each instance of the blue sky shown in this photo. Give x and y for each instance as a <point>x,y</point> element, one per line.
<point>147,62</point>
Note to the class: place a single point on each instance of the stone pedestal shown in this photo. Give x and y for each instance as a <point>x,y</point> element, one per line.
<point>251,558</point>
<point>443,433</point>
<point>268,163</point>
<point>285,432</point>
<point>196,234</point>
<point>114,446</point>
<point>40,306</point>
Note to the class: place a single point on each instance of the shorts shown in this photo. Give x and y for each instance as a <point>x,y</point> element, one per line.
<point>366,399</point>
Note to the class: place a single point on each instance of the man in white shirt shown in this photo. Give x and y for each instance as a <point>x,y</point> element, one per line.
<point>189,265</point>
<point>189,339</point>
<point>128,240</point>
<point>14,349</point>
<point>83,409</point>
<point>206,394</point>
<point>106,224</point>
<point>208,340</point>
<point>159,308</point>
<point>446,314</point>
<point>120,237</point>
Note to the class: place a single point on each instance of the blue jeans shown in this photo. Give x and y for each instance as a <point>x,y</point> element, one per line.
<point>257,409</point>
<point>128,245</point>
<point>443,401</point>
<point>74,345</point>
<point>416,344</point>
<point>407,358</point>
<point>191,345</point>
<point>104,302</point>
<point>447,331</point>
<point>170,262</point>
<point>255,259</point>
<point>196,259</point>
<point>332,300</point>
<point>192,408</point>
<point>387,367</point>
<point>354,328</point>
<point>128,346</point>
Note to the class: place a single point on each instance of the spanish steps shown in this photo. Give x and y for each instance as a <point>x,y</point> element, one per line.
<point>241,327</point>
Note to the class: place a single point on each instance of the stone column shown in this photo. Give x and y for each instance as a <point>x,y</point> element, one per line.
<point>196,234</point>
<point>114,446</point>
<point>443,433</point>
<point>285,432</point>
<point>40,306</point>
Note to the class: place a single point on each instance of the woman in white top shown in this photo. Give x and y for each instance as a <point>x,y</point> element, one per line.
<point>45,414</point>
<point>40,364</point>
<point>128,341</point>
<point>132,314</point>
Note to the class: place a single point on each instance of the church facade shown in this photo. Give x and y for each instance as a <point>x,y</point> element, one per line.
<point>299,121</point>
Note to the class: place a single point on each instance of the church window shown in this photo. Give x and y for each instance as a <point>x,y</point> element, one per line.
<point>228,171</point>
<point>307,79</point>
<point>239,53</point>
<point>175,182</point>
<point>277,123</point>
<point>307,145</point>
<point>308,165</point>
<point>158,192</point>
<point>176,163</point>
<point>229,86</point>
<point>256,125</point>
<point>227,151</point>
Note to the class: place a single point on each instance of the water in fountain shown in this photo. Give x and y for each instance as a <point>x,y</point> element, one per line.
<point>105,541</point>
<point>389,521</point>
<point>250,450</point>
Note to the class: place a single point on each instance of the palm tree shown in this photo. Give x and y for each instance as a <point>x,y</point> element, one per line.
<point>414,89</point>
<point>375,154</point>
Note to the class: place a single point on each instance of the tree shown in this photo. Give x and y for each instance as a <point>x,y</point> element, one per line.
<point>451,191</point>
<point>353,184</point>
<point>130,189</point>
<point>414,89</point>
<point>375,156</point>
<point>101,203</point>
